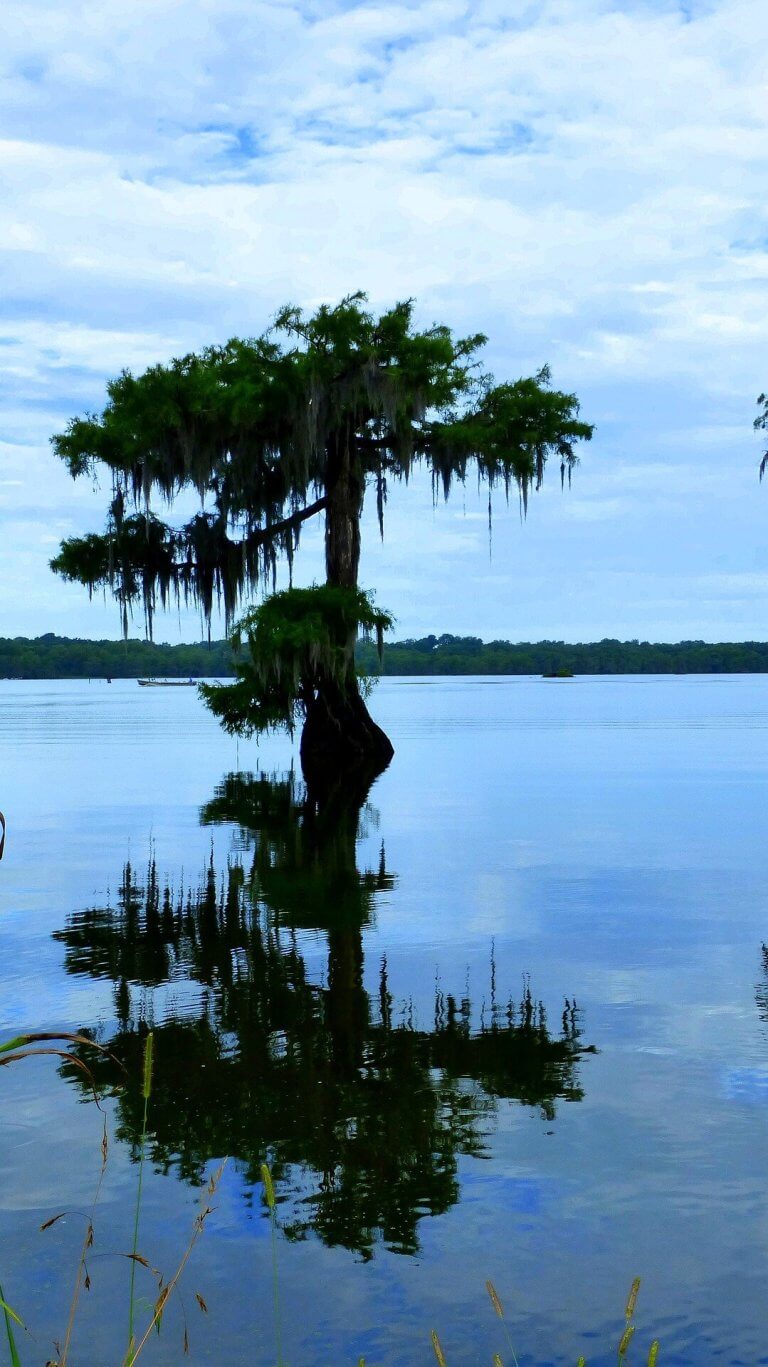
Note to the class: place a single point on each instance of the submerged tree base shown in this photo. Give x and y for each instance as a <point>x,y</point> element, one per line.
<point>340,734</point>
<point>297,666</point>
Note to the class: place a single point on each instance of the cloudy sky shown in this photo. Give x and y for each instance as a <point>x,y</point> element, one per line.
<point>583,180</point>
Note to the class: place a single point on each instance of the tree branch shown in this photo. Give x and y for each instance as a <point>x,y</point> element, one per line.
<point>263,534</point>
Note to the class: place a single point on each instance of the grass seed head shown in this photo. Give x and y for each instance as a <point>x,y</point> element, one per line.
<point>632,1298</point>
<point>495,1302</point>
<point>626,1339</point>
<point>149,1048</point>
<point>439,1354</point>
<point>269,1190</point>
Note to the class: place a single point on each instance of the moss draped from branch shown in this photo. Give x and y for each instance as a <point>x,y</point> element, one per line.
<point>293,645</point>
<point>761,425</point>
<point>139,558</point>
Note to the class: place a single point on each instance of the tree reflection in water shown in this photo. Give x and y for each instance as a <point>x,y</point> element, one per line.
<point>362,1114</point>
<point>761,988</point>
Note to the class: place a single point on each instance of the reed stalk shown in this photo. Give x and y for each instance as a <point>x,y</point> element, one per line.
<point>146,1093</point>
<point>167,1290</point>
<point>498,1307</point>
<point>82,1270</point>
<point>269,1192</point>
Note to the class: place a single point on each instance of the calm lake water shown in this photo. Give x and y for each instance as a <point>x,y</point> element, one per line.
<point>506,1017</point>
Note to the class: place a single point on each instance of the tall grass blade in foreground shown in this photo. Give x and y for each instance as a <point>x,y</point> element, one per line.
<point>9,1316</point>
<point>12,1050</point>
<point>653,1355</point>
<point>146,1093</point>
<point>498,1307</point>
<point>167,1290</point>
<point>269,1192</point>
<point>82,1277</point>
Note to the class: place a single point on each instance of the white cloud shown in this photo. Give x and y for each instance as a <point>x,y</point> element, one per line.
<point>583,179</point>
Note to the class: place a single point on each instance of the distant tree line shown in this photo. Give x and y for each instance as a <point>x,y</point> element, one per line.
<point>59,657</point>
<point>469,655</point>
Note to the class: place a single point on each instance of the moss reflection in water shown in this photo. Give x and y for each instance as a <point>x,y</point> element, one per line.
<point>363,1115</point>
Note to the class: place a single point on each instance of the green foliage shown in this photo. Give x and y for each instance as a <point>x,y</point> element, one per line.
<point>146,1093</point>
<point>9,1316</point>
<point>264,429</point>
<point>510,434</point>
<point>298,643</point>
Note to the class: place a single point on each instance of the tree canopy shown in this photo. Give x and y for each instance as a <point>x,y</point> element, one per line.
<point>271,431</point>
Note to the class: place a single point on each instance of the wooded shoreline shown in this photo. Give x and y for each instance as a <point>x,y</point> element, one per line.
<point>61,657</point>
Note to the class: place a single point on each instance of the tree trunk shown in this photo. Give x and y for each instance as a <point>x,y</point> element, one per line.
<point>345,488</point>
<point>339,732</point>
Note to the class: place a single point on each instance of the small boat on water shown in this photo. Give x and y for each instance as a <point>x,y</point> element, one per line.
<point>167,683</point>
<point>558,674</point>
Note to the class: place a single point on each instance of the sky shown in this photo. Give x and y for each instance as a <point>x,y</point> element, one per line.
<point>582,180</point>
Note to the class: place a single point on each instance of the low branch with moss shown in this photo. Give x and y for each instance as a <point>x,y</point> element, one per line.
<point>294,648</point>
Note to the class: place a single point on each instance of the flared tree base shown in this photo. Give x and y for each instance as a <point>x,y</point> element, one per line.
<point>340,737</point>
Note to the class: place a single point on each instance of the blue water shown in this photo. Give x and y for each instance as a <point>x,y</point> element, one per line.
<point>599,840</point>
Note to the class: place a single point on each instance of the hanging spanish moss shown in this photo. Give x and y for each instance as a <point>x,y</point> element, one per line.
<point>761,425</point>
<point>292,649</point>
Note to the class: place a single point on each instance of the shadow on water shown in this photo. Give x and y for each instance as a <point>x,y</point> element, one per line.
<point>362,1112</point>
